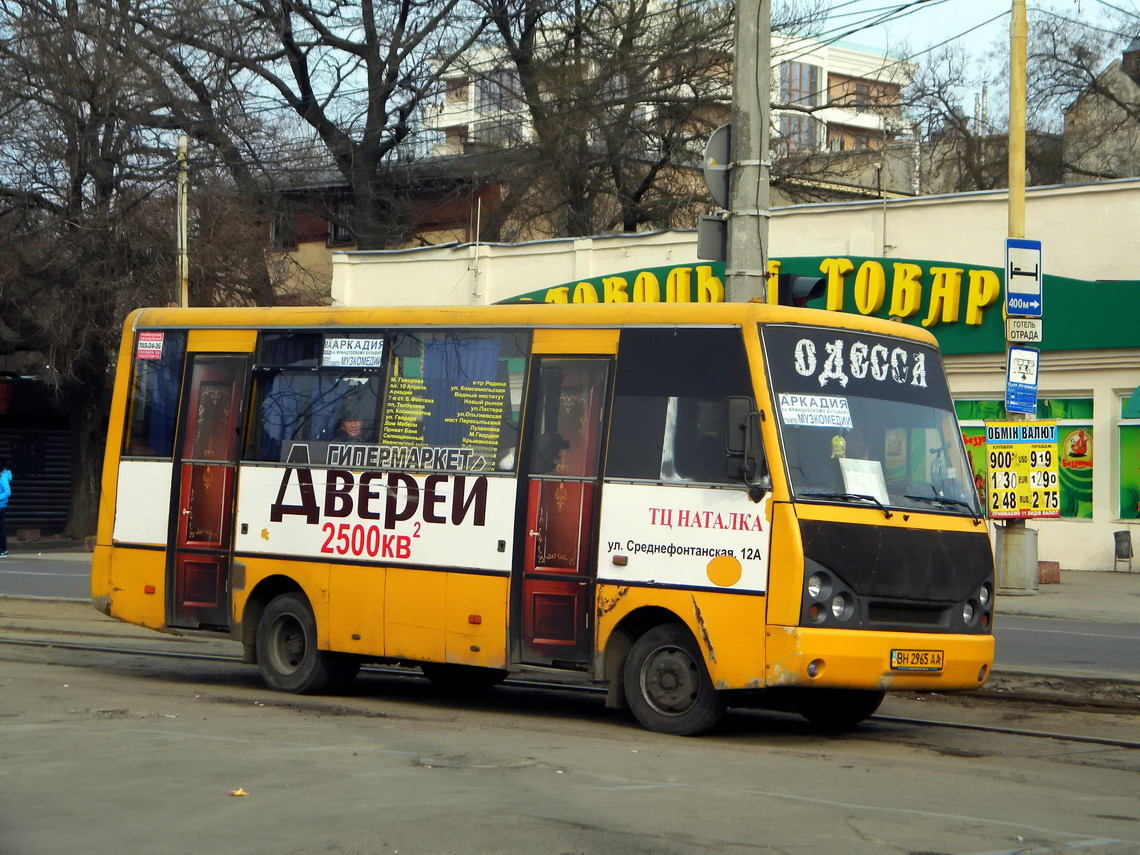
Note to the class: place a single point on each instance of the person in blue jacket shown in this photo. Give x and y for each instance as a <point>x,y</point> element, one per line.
<point>5,494</point>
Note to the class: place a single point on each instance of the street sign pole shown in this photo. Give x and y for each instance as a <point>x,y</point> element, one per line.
<point>1017,553</point>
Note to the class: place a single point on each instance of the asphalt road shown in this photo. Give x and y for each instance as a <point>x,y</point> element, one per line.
<point>107,754</point>
<point>59,575</point>
<point>1071,647</point>
<point>1038,645</point>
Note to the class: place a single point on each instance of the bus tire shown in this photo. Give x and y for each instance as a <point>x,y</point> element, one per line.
<point>462,679</point>
<point>667,685</point>
<point>287,653</point>
<point>836,709</point>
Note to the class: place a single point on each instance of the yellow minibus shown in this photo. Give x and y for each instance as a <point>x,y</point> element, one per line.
<point>692,506</point>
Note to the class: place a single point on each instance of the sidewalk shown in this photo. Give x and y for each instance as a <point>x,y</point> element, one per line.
<point>51,544</point>
<point>1105,597</point>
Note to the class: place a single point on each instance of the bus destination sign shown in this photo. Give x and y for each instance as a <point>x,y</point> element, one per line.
<point>1021,470</point>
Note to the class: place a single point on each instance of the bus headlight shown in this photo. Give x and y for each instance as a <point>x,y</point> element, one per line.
<point>814,585</point>
<point>841,607</point>
<point>968,613</point>
<point>984,594</point>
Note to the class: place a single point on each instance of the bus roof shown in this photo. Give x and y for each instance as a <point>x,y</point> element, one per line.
<point>518,314</point>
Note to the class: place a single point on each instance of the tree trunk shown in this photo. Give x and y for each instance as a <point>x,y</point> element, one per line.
<point>88,440</point>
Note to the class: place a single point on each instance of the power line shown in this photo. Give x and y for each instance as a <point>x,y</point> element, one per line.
<point>1115,8</point>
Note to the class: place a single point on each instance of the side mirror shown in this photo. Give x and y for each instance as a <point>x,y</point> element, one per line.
<point>737,413</point>
<point>745,463</point>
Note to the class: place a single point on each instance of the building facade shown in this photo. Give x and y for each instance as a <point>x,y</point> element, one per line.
<point>1090,364</point>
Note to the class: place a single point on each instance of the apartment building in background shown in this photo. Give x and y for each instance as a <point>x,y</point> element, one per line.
<point>1102,126</point>
<point>831,97</point>
<point>837,106</point>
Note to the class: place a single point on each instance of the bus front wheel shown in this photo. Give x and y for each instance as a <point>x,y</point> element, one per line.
<point>287,651</point>
<point>667,685</point>
<point>836,709</point>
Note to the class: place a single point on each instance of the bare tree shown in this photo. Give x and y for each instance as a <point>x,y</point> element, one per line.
<point>86,212</point>
<point>965,148</point>
<point>353,75</point>
<point>614,101</point>
<point>1084,79</point>
<point>603,99</point>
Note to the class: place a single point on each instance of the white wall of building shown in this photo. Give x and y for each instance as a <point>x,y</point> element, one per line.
<point>477,275</point>
<point>1088,232</point>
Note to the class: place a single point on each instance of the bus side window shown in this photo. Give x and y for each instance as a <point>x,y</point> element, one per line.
<point>155,386</point>
<point>299,399</point>
<point>458,391</point>
<point>671,391</point>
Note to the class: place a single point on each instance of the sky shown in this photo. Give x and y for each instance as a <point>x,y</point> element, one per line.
<point>927,22</point>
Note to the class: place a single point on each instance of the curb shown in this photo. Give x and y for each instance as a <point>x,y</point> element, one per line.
<point>1067,690</point>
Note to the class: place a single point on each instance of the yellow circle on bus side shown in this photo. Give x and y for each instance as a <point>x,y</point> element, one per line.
<point>724,570</point>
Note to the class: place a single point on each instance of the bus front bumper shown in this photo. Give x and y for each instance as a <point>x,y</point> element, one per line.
<point>861,659</point>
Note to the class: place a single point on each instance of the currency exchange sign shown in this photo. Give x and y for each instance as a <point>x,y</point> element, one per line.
<point>1021,470</point>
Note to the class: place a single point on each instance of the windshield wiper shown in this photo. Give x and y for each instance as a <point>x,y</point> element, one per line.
<point>942,500</point>
<point>847,497</point>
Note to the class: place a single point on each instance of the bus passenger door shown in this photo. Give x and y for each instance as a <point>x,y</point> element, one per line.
<point>198,574</point>
<point>561,477</point>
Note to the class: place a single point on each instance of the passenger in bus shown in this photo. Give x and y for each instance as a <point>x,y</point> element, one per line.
<point>349,430</point>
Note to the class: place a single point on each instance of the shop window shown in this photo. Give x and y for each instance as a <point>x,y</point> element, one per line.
<point>156,384</point>
<point>1129,436</point>
<point>669,404</point>
<point>1074,445</point>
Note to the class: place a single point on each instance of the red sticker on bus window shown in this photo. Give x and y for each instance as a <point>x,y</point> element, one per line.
<point>149,345</point>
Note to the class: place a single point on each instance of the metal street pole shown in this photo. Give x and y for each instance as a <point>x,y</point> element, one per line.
<point>746,263</point>
<point>1017,557</point>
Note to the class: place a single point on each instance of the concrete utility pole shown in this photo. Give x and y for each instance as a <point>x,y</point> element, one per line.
<point>1017,37</point>
<point>183,222</point>
<point>746,265</point>
<point>1017,559</point>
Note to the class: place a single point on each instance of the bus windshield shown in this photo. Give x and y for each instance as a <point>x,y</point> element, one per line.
<point>868,419</point>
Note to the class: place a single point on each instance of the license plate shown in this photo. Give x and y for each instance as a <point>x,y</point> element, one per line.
<point>916,660</point>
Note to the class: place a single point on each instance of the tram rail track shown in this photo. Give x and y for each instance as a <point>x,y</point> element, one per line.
<point>524,683</point>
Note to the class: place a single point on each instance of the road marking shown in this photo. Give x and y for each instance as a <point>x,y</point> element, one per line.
<point>1063,632</point>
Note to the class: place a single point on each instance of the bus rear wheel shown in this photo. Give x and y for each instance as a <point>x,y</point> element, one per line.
<point>836,709</point>
<point>287,653</point>
<point>667,685</point>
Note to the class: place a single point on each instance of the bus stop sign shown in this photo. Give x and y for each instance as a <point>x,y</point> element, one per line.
<point>1023,297</point>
